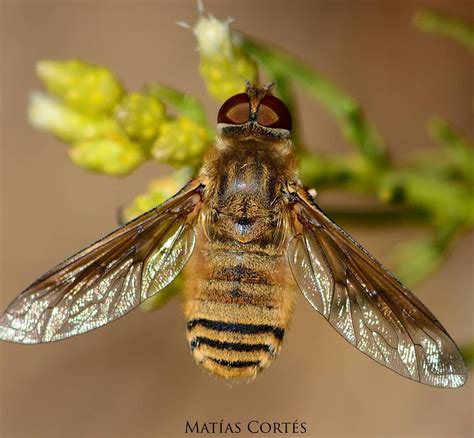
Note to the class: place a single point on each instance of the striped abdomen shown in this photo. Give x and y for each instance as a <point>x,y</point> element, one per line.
<point>238,303</point>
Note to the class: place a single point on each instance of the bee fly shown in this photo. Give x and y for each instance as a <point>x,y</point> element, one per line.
<point>247,235</point>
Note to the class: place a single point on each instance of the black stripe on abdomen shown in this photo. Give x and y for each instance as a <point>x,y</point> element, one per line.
<point>234,346</point>
<point>244,329</point>
<point>236,364</point>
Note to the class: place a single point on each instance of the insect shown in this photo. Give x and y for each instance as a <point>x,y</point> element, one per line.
<point>248,235</point>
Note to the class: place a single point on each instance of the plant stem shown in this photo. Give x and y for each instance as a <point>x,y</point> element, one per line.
<point>468,354</point>
<point>459,150</point>
<point>376,216</point>
<point>356,128</point>
<point>185,104</point>
<point>430,21</point>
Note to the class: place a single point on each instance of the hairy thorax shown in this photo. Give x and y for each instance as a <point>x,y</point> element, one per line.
<point>245,193</point>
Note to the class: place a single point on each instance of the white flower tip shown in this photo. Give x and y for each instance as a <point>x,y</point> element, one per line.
<point>44,68</point>
<point>212,34</point>
<point>43,110</point>
<point>184,25</point>
<point>200,6</point>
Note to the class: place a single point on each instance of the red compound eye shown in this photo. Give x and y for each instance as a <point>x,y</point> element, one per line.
<point>235,110</point>
<point>273,113</point>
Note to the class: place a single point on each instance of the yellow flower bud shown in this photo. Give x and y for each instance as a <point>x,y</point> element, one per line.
<point>81,85</point>
<point>47,113</point>
<point>224,65</point>
<point>115,155</point>
<point>181,142</point>
<point>159,190</point>
<point>226,76</point>
<point>140,116</point>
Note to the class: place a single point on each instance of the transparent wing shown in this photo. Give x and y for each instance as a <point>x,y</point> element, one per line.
<point>366,304</point>
<point>109,278</point>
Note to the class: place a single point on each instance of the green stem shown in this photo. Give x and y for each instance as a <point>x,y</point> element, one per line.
<point>433,22</point>
<point>440,130</point>
<point>418,259</point>
<point>468,354</point>
<point>186,104</point>
<point>376,216</point>
<point>459,150</point>
<point>355,127</point>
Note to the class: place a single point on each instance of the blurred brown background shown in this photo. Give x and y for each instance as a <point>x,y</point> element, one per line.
<point>136,376</point>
